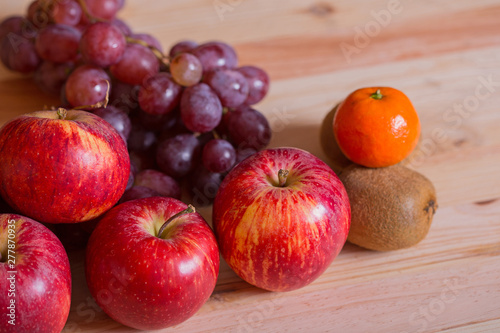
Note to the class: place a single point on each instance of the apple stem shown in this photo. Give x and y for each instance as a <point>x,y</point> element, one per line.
<point>282,176</point>
<point>377,95</point>
<point>62,113</point>
<point>189,209</point>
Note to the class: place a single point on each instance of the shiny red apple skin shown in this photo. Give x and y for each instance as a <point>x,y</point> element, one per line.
<point>144,281</point>
<point>62,170</point>
<point>281,238</point>
<point>43,279</point>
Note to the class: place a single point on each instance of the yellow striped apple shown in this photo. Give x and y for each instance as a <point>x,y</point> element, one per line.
<point>281,216</point>
<point>62,166</point>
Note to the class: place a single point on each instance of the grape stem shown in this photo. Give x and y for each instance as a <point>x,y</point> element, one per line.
<point>163,58</point>
<point>101,104</point>
<point>85,9</point>
<point>189,209</point>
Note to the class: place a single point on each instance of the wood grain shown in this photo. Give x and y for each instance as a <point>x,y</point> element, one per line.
<point>442,54</point>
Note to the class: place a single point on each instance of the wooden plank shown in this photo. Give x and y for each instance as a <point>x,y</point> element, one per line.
<point>481,327</point>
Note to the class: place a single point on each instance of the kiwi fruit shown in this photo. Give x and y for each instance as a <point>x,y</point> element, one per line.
<point>338,161</point>
<point>391,208</point>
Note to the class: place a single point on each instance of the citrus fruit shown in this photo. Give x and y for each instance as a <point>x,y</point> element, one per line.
<point>376,127</point>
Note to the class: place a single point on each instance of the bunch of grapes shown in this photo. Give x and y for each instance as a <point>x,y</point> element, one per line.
<point>186,115</point>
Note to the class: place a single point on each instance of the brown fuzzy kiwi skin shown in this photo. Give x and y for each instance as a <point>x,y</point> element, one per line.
<point>391,208</point>
<point>329,144</point>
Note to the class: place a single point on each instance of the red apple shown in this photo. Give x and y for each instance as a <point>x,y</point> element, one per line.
<point>35,277</point>
<point>62,166</point>
<point>148,278</point>
<point>281,216</point>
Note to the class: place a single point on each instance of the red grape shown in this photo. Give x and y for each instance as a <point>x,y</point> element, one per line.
<point>86,86</point>
<point>186,69</point>
<point>136,65</point>
<point>148,39</point>
<point>124,96</point>
<point>243,153</point>
<point>12,24</point>
<point>66,12</point>
<point>163,184</point>
<point>204,186</point>
<point>157,123</point>
<point>18,54</point>
<point>124,28</point>
<point>204,138</point>
<point>153,122</point>
<point>104,9</point>
<point>50,77</point>
<point>182,46</point>
<point>118,119</point>
<point>247,128</point>
<point>142,160</point>
<point>218,156</point>
<point>138,192</point>
<point>63,100</point>
<point>141,139</point>
<point>102,44</point>
<point>201,110</point>
<point>58,43</point>
<point>39,13</point>
<point>172,127</point>
<point>159,94</point>
<point>258,81</point>
<point>230,86</point>
<point>179,155</point>
<point>213,55</point>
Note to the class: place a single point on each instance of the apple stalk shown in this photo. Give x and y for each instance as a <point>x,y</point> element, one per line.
<point>282,177</point>
<point>189,209</point>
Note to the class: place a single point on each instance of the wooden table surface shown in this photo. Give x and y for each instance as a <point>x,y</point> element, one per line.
<point>445,55</point>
